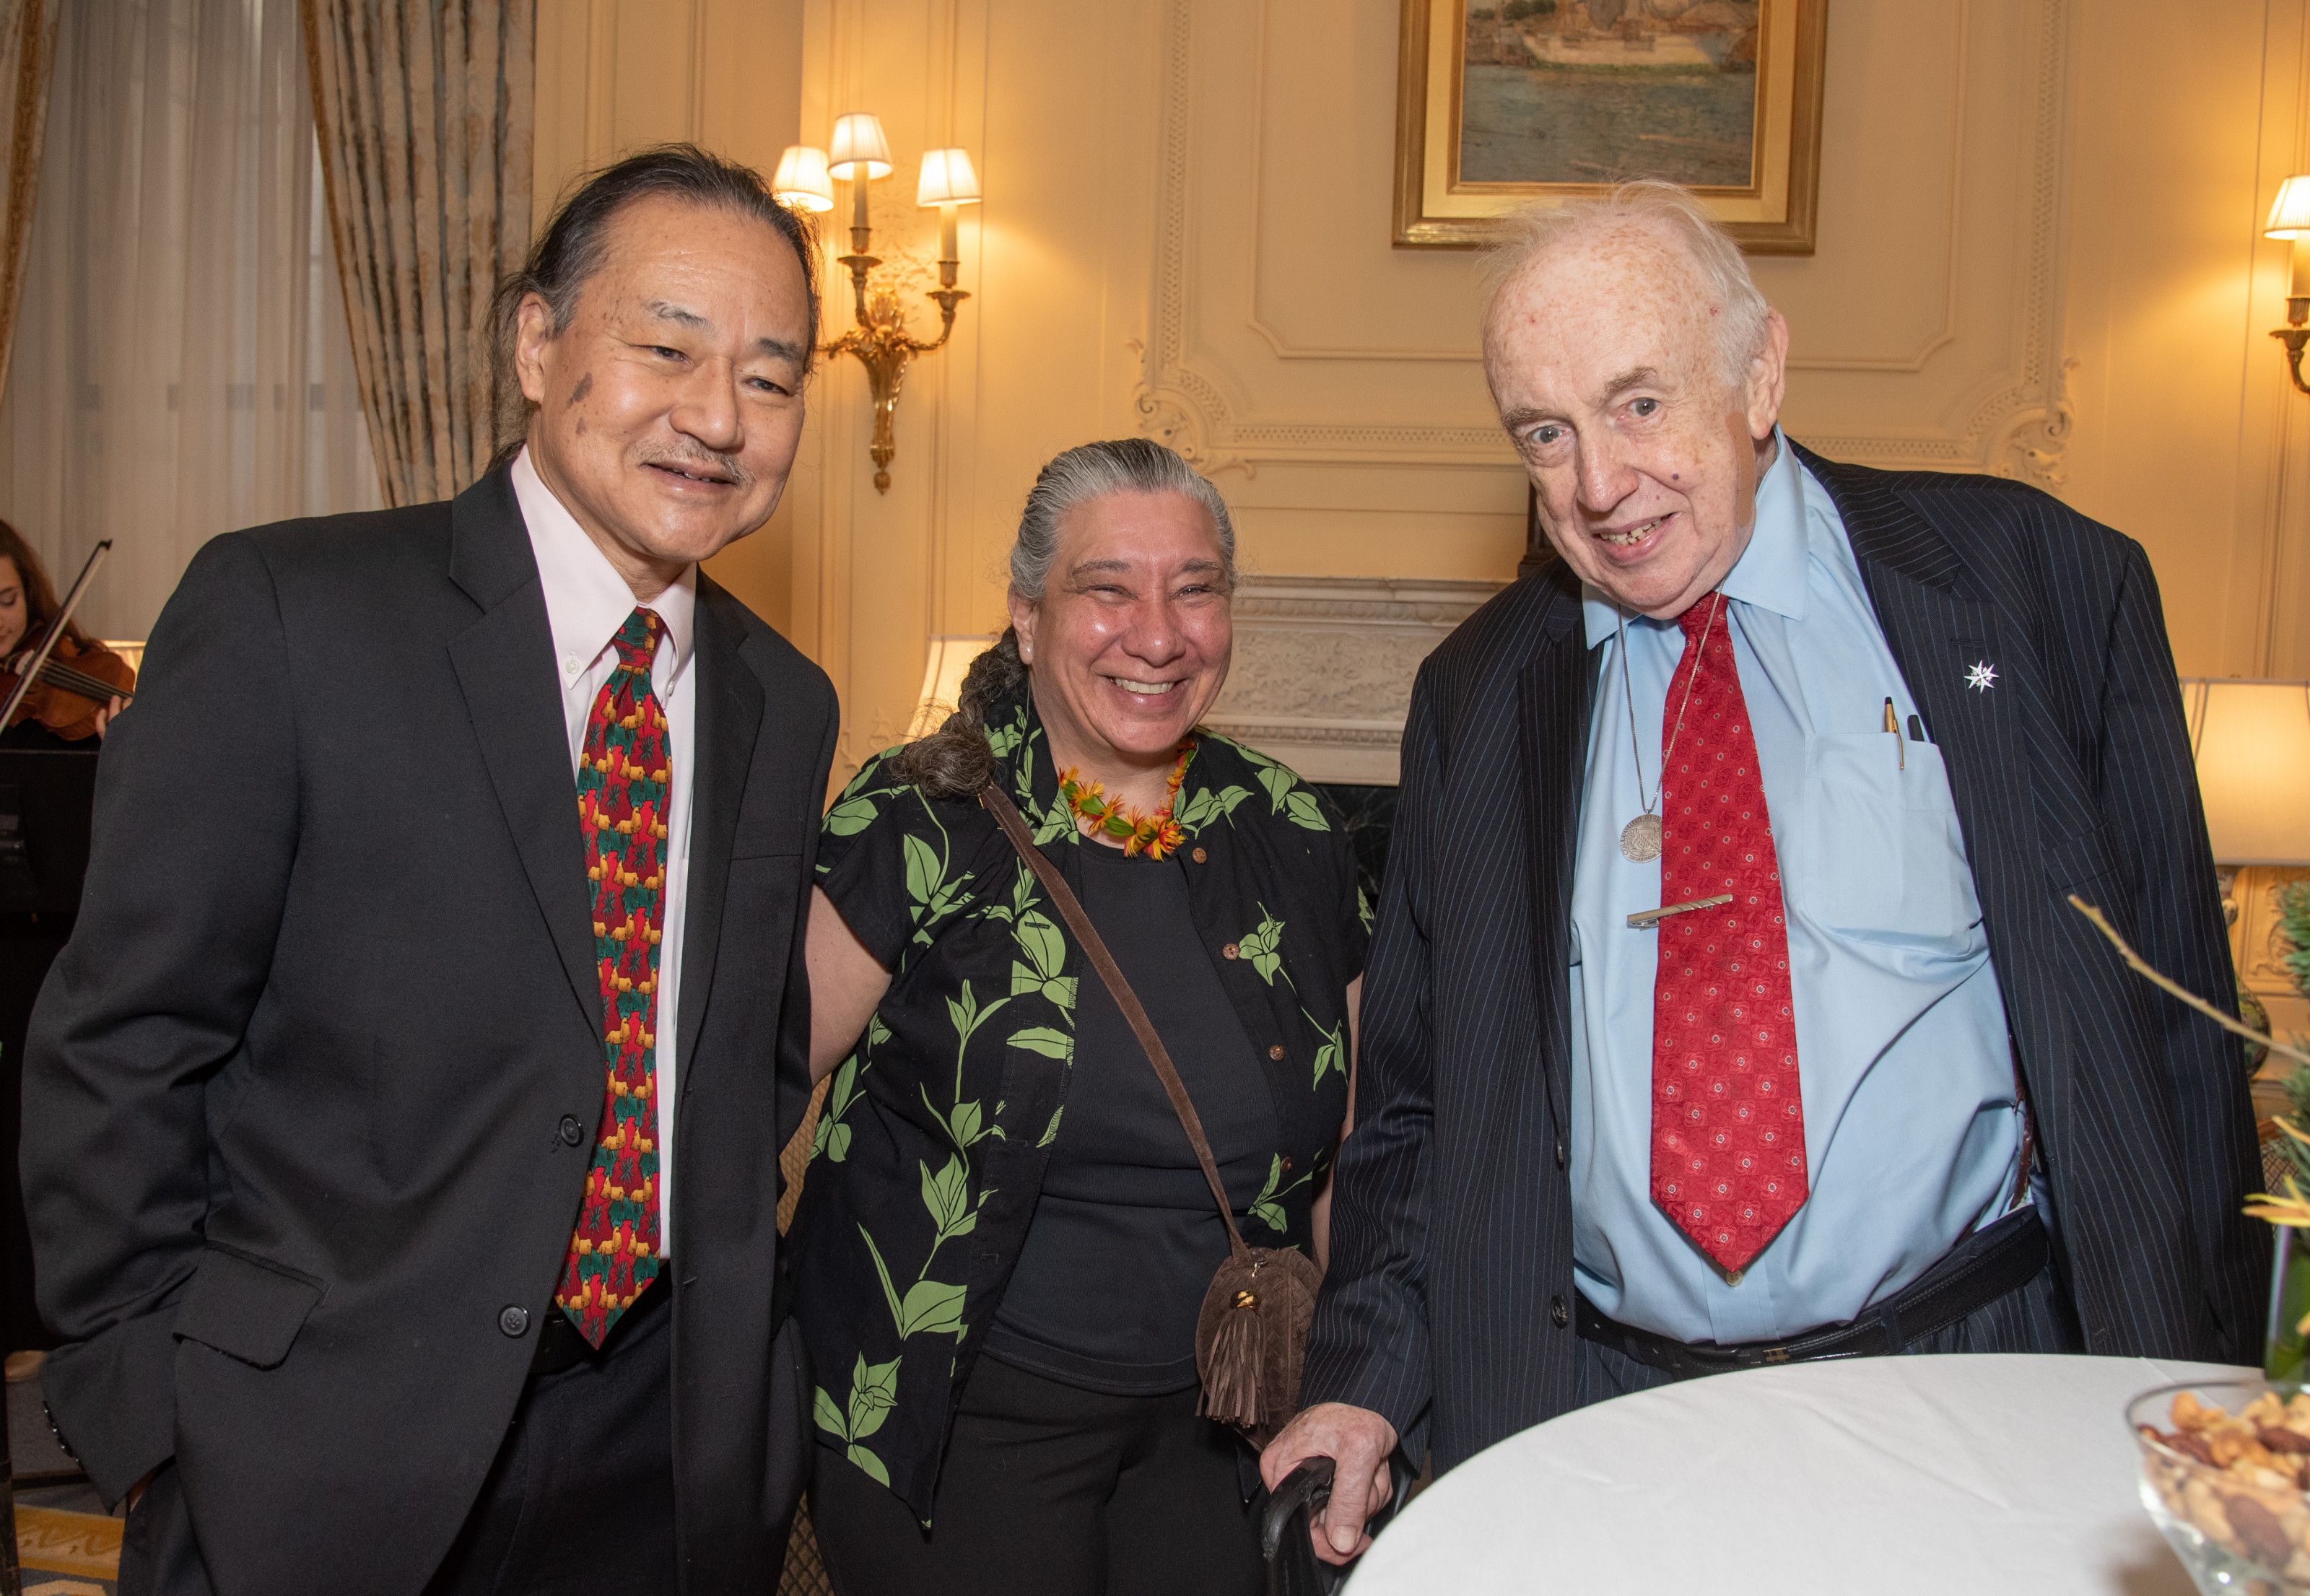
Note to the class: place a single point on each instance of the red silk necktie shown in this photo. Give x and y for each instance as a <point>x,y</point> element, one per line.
<point>624,786</point>
<point>1728,1115</point>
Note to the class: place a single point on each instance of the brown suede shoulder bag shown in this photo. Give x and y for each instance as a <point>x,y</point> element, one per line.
<point>1252,1335</point>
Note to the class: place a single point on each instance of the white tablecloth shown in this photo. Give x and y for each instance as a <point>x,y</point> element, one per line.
<point>1883,1475</point>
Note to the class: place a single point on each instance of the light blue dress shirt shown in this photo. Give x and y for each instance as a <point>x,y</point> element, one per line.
<point>1912,1134</point>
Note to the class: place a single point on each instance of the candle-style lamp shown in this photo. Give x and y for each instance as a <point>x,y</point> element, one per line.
<point>2290,218</point>
<point>860,154</point>
<point>949,182</point>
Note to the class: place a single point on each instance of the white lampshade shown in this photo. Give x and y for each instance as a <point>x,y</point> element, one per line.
<point>948,179</point>
<point>2289,214</point>
<point>943,673</point>
<point>858,142</point>
<point>803,181</point>
<point>2252,741</point>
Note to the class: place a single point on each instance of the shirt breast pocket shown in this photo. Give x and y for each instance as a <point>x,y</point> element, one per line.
<point>1883,860</point>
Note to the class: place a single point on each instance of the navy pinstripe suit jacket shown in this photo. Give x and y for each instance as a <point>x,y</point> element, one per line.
<point>1447,1301</point>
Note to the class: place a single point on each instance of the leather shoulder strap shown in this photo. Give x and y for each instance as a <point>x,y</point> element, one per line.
<point>1006,815</point>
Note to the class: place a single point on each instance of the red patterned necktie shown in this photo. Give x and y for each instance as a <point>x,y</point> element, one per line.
<point>1728,1115</point>
<point>624,782</point>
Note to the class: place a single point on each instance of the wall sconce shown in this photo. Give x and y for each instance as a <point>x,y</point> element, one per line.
<point>861,155</point>
<point>2290,218</point>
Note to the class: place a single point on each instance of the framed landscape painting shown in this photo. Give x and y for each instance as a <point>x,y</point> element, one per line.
<point>1502,103</point>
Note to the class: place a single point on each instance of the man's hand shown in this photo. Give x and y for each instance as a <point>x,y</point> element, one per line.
<point>1358,1441</point>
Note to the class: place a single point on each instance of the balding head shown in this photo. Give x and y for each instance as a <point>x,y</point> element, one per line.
<point>1662,211</point>
<point>1640,376</point>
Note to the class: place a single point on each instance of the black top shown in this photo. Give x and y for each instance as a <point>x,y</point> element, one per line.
<point>928,1168</point>
<point>1126,1236</point>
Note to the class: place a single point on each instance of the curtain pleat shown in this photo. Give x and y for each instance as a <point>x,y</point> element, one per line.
<point>425,114</point>
<point>27,58</point>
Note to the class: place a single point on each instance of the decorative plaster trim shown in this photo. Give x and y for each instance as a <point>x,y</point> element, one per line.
<point>2020,430</point>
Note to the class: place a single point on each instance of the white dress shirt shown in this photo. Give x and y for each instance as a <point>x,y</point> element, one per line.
<point>585,603</point>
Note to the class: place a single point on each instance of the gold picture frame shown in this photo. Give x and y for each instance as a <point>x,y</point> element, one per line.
<point>1439,207</point>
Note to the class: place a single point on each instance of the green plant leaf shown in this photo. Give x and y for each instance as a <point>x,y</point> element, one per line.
<point>828,1415</point>
<point>844,1087</point>
<point>966,1124</point>
<point>923,869</point>
<point>1260,946</point>
<point>1051,1131</point>
<point>1326,1057</point>
<point>1045,1040</point>
<point>889,1292</point>
<point>837,1145</point>
<point>1277,780</point>
<point>1042,944</point>
<point>873,1391</point>
<point>850,816</point>
<point>1306,812</point>
<point>932,1307</point>
<point>944,1194</point>
<point>869,1465</point>
<point>1270,1215</point>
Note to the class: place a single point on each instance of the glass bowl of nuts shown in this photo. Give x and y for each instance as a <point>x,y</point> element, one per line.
<point>2225,1469</point>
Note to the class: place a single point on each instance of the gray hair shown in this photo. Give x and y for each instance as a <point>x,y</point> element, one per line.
<point>1665,209</point>
<point>1093,470</point>
<point>954,761</point>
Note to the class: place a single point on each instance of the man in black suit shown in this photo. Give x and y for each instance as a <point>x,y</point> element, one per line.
<point>403,1158</point>
<point>1725,1007</point>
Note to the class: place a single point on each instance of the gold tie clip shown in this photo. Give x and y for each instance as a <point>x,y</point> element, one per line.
<point>1647,919</point>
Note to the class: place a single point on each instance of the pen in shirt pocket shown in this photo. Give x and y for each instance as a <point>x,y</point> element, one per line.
<point>1893,725</point>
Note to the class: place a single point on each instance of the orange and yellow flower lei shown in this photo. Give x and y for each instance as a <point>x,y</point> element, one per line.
<point>1156,834</point>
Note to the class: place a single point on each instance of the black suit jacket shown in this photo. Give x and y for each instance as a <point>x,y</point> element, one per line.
<point>1450,1295</point>
<point>292,1092</point>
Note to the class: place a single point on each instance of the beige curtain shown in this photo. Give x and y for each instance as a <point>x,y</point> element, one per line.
<point>182,365</point>
<point>424,109</point>
<point>27,55</point>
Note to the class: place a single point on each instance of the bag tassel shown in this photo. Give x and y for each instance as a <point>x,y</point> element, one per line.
<point>1231,1392</point>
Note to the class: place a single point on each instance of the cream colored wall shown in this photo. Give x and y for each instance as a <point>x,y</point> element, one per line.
<point>2039,255</point>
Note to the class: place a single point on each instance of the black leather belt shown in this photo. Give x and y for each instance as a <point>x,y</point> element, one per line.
<point>561,1347</point>
<point>1976,1272</point>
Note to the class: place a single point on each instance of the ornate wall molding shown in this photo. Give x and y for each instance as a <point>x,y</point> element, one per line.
<point>1323,667</point>
<point>2019,426</point>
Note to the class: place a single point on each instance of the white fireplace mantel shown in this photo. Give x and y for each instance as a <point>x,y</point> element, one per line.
<point>1324,666</point>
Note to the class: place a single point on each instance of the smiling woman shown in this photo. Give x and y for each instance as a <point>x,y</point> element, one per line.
<point>982,1088</point>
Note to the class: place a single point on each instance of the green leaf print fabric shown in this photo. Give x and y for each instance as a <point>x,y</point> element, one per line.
<point>934,1133</point>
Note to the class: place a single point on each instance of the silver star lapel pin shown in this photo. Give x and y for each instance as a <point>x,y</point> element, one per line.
<point>1982,676</point>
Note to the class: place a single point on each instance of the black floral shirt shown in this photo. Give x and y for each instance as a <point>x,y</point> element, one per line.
<point>929,1153</point>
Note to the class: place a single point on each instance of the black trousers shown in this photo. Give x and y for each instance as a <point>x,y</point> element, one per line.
<point>2032,1317</point>
<point>590,1446</point>
<point>1048,1490</point>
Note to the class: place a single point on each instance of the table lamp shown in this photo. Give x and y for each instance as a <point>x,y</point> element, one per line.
<point>943,673</point>
<point>2252,743</point>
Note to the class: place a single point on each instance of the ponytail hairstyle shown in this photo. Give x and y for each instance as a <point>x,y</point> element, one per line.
<point>954,761</point>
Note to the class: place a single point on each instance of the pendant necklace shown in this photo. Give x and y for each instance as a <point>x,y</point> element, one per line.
<point>1640,838</point>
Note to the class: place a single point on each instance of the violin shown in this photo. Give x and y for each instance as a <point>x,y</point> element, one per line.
<point>64,685</point>
<point>69,688</point>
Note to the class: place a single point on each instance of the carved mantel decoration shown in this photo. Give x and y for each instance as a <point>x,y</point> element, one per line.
<point>1323,667</point>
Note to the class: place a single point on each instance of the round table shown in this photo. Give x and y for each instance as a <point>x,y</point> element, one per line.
<point>1932,1475</point>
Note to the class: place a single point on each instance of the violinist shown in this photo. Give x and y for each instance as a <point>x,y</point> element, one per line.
<point>64,707</point>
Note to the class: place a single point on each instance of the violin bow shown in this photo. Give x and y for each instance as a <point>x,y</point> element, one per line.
<point>31,671</point>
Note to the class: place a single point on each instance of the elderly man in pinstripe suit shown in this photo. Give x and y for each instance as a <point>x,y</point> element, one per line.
<point>1725,1007</point>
